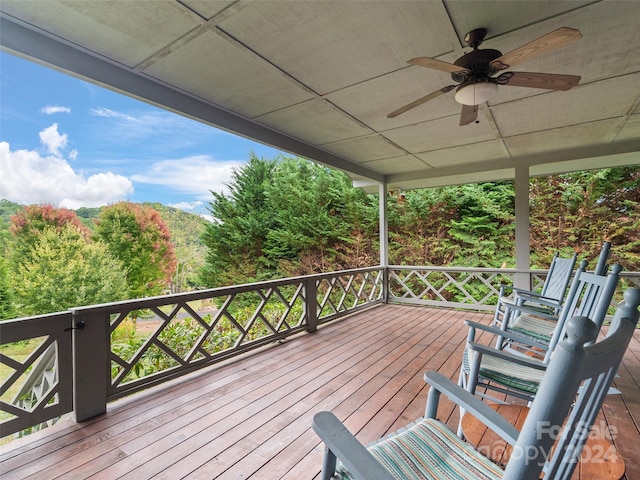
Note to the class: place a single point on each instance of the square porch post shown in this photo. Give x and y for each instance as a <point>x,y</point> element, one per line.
<point>522,280</point>
<point>384,238</point>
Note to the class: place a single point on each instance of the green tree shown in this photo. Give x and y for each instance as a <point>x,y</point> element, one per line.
<point>465,225</point>
<point>30,222</point>
<point>7,210</point>
<point>288,217</point>
<point>138,237</point>
<point>242,220</point>
<point>419,224</point>
<point>316,214</point>
<point>186,235</point>
<point>292,217</point>
<point>7,308</point>
<point>580,210</point>
<point>484,229</point>
<point>65,270</point>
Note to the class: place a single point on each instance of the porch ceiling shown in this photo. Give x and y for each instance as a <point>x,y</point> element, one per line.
<point>317,78</point>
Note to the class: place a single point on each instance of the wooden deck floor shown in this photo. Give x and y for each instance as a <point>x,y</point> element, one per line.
<point>251,417</point>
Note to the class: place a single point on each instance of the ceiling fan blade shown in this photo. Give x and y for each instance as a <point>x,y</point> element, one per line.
<point>547,42</point>
<point>469,114</point>
<point>421,100</point>
<point>437,64</point>
<point>550,81</point>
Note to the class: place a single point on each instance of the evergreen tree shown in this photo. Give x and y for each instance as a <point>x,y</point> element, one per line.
<point>310,204</point>
<point>580,210</point>
<point>242,220</point>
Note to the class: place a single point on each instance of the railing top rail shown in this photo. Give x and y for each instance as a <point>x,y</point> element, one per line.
<point>24,328</point>
<point>462,269</point>
<point>630,274</point>
<point>623,273</point>
<point>148,302</point>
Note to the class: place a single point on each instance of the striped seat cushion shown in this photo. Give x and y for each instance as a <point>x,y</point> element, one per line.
<point>429,450</point>
<point>534,327</point>
<point>520,377</point>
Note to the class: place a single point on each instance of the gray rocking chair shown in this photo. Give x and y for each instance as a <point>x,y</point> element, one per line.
<point>510,372</point>
<point>550,441</point>
<point>548,299</point>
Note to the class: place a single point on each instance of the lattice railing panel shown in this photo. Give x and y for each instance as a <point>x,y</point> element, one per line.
<point>448,287</point>
<point>184,335</point>
<point>35,373</point>
<point>346,292</point>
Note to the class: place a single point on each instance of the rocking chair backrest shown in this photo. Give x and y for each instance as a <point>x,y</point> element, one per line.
<point>555,285</point>
<point>590,296</point>
<point>601,266</point>
<point>574,370</point>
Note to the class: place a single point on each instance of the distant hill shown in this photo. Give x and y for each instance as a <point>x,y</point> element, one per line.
<point>186,229</point>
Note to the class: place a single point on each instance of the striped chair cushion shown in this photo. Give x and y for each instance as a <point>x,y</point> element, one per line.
<point>429,450</point>
<point>534,327</point>
<point>520,377</point>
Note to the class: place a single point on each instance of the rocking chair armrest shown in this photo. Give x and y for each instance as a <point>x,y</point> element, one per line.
<point>506,334</point>
<point>341,443</point>
<point>535,296</point>
<point>470,403</point>
<point>506,356</point>
<point>533,310</point>
<point>545,305</point>
<point>519,290</point>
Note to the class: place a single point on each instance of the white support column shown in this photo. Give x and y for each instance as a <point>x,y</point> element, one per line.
<point>384,239</point>
<point>384,225</point>
<point>522,280</point>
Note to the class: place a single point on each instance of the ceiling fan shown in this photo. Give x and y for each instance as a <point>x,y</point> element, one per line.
<point>474,71</point>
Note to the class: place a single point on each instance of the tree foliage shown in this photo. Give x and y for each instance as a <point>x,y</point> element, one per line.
<point>578,211</point>
<point>65,270</point>
<point>317,215</point>
<point>467,225</point>
<point>242,220</point>
<point>30,222</point>
<point>186,230</point>
<point>286,217</point>
<point>140,239</point>
<point>7,306</point>
<point>292,217</point>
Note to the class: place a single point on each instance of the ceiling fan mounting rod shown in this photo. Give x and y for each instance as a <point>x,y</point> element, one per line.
<point>475,37</point>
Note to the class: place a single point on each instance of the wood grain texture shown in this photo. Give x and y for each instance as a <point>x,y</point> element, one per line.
<point>251,417</point>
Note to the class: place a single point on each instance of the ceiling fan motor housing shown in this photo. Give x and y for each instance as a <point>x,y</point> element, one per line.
<point>477,64</point>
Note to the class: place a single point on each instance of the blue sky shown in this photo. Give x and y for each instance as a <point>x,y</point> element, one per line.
<point>73,144</point>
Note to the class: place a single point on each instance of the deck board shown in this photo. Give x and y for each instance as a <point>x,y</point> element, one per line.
<point>250,417</point>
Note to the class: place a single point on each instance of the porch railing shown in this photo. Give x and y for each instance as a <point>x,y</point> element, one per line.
<point>84,358</point>
<point>37,381</point>
<point>78,361</point>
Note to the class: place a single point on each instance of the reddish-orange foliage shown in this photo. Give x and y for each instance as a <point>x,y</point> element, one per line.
<point>33,219</point>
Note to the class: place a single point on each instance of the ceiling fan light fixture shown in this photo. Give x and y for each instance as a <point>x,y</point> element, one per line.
<point>476,93</point>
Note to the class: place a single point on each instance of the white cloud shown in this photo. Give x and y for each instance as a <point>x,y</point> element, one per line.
<point>53,109</point>
<point>108,113</point>
<point>30,178</point>
<point>196,207</point>
<point>52,140</point>
<point>197,175</point>
<point>187,206</point>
